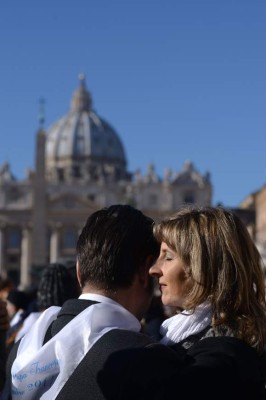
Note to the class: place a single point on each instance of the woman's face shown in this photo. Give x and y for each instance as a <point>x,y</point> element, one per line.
<point>172,279</point>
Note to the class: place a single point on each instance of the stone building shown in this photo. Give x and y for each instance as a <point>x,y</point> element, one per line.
<point>254,205</point>
<point>80,166</point>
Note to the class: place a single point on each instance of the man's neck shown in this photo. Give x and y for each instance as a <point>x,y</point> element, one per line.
<point>125,297</point>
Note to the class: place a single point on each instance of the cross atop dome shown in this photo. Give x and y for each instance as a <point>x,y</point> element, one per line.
<point>82,78</point>
<point>81,100</point>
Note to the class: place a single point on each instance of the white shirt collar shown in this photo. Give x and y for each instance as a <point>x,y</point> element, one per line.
<point>106,300</point>
<point>98,297</point>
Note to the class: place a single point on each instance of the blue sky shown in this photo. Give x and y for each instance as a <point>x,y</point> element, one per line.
<point>178,80</point>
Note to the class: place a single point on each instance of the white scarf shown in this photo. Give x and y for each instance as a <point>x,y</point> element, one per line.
<point>184,324</point>
<point>40,371</point>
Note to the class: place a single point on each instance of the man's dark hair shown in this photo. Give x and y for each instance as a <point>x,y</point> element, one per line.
<point>113,245</point>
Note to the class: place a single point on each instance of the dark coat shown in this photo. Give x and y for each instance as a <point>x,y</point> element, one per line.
<point>124,365</point>
<point>89,380</point>
<point>220,368</point>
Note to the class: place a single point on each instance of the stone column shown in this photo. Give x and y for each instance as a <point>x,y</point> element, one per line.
<point>26,254</point>
<point>39,218</point>
<point>54,243</point>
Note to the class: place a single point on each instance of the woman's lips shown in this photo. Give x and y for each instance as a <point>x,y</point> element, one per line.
<point>162,286</point>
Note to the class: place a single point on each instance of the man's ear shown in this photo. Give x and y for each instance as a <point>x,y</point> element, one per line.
<point>78,272</point>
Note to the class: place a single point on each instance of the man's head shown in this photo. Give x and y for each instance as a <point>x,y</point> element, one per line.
<point>115,244</point>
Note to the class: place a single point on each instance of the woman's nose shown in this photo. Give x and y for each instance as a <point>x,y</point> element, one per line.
<point>154,270</point>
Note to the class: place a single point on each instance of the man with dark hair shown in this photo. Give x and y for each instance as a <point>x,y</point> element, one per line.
<point>63,354</point>
<point>114,244</point>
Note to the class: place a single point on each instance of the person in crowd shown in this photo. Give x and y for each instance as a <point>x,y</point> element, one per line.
<point>56,285</point>
<point>6,285</point>
<point>4,325</point>
<point>17,302</point>
<point>210,270</point>
<point>67,347</point>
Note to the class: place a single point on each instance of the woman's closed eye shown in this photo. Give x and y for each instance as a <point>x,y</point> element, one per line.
<point>168,257</point>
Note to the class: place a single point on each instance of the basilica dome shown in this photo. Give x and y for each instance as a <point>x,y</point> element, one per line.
<point>83,146</point>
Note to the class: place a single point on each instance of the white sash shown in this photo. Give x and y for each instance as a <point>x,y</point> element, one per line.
<point>39,372</point>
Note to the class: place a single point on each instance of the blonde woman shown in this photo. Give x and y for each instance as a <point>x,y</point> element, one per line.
<point>211,271</point>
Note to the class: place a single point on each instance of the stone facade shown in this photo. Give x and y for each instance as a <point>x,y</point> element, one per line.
<point>80,167</point>
<point>255,204</point>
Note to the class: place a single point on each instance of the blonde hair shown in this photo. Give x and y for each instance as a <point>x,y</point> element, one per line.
<point>223,267</point>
